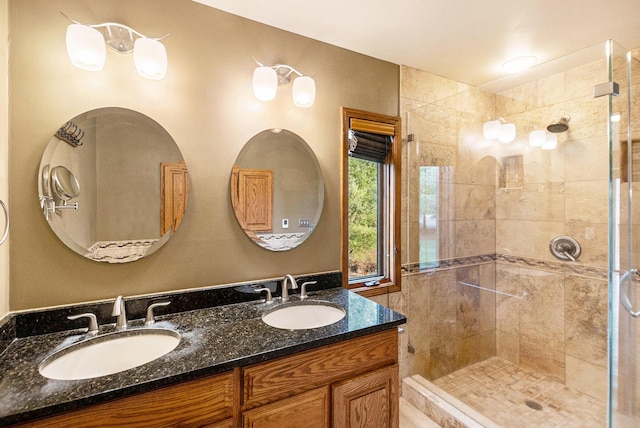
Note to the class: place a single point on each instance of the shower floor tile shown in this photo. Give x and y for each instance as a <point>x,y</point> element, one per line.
<point>514,396</point>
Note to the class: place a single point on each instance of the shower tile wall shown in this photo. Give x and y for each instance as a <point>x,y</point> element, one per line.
<point>559,327</point>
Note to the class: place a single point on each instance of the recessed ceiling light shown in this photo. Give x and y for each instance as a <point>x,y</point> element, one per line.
<point>518,64</point>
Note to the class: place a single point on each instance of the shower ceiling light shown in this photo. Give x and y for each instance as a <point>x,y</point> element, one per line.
<point>518,64</point>
<point>266,80</point>
<point>86,47</point>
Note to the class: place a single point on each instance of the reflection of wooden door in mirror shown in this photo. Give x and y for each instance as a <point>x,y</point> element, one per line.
<point>252,198</point>
<point>174,191</point>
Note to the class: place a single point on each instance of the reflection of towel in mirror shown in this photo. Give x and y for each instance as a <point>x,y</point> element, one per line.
<point>280,241</point>
<point>119,251</point>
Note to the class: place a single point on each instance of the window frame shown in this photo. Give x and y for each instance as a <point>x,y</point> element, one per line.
<point>391,202</point>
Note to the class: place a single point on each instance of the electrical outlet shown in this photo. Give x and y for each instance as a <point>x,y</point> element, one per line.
<point>304,222</point>
<point>285,223</point>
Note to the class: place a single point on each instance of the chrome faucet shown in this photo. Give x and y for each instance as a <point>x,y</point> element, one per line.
<point>288,279</point>
<point>120,311</point>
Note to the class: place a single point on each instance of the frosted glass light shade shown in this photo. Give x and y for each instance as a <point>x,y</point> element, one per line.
<point>507,133</point>
<point>150,58</point>
<point>491,130</point>
<point>550,142</point>
<point>304,91</point>
<point>86,47</point>
<point>537,138</point>
<point>265,83</point>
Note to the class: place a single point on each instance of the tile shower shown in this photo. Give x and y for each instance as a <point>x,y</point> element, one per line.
<point>498,207</point>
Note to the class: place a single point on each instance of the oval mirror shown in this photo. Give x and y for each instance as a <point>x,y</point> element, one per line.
<point>134,185</point>
<point>277,190</point>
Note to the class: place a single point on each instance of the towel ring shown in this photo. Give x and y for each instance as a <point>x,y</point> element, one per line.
<point>6,225</point>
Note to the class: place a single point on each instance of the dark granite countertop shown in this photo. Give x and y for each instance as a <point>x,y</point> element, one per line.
<point>213,340</point>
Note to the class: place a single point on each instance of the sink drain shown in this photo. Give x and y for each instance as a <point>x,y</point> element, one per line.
<point>533,405</point>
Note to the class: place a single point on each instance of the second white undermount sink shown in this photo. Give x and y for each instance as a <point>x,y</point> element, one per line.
<point>303,315</point>
<point>109,353</point>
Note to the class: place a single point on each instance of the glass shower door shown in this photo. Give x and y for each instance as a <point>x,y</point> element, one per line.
<point>624,237</point>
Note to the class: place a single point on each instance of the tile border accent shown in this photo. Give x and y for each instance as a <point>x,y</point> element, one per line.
<point>567,268</point>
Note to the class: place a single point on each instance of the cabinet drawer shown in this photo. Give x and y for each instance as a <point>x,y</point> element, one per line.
<point>202,402</point>
<point>307,410</point>
<point>266,382</point>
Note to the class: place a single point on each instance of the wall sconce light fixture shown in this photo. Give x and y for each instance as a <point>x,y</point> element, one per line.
<point>86,46</point>
<point>499,130</point>
<point>266,80</point>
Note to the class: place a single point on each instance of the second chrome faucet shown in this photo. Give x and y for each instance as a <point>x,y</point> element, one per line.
<point>288,283</point>
<point>120,311</point>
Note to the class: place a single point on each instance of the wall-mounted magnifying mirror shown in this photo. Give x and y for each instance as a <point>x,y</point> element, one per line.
<point>134,185</point>
<point>64,183</point>
<point>277,190</point>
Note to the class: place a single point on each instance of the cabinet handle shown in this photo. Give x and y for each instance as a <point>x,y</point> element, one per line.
<point>6,224</point>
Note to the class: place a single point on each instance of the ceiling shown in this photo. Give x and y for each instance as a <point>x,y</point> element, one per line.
<point>464,40</point>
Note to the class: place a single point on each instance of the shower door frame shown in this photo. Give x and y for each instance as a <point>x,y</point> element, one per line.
<point>624,318</point>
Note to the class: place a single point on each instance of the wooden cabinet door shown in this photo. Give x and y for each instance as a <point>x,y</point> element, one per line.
<point>367,401</point>
<point>307,410</point>
<point>174,193</point>
<point>252,198</point>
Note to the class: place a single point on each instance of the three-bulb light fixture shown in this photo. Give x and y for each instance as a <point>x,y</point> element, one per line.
<point>86,46</point>
<point>266,80</point>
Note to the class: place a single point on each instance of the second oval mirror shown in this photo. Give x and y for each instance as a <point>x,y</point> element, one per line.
<point>277,190</point>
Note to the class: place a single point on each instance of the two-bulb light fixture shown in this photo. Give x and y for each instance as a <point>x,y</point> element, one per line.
<point>499,130</point>
<point>86,46</point>
<point>266,80</point>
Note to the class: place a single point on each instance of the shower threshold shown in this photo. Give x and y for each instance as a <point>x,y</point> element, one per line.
<point>496,393</point>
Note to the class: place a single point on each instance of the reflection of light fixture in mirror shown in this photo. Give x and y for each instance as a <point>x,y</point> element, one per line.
<point>518,64</point>
<point>537,138</point>
<point>266,80</point>
<point>550,142</point>
<point>86,47</point>
<point>498,130</point>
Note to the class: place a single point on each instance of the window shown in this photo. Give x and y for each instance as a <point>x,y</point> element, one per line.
<point>370,220</point>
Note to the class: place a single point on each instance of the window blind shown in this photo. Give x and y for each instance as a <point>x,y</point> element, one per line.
<point>368,146</point>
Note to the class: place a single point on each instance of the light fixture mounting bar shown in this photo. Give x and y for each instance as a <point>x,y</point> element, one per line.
<point>119,37</point>
<point>284,72</point>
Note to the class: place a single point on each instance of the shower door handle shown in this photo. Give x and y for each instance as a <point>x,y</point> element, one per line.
<point>6,223</point>
<point>624,293</point>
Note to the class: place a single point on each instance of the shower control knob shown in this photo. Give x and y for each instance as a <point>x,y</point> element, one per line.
<point>565,248</point>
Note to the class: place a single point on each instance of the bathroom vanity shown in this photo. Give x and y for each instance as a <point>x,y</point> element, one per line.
<point>230,370</point>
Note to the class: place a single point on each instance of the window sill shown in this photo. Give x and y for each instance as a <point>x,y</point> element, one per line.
<point>376,290</point>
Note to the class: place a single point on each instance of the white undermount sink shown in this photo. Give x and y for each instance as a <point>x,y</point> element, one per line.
<point>109,353</point>
<point>304,315</point>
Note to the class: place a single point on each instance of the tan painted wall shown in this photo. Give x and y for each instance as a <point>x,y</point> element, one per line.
<point>206,104</point>
<point>4,152</point>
